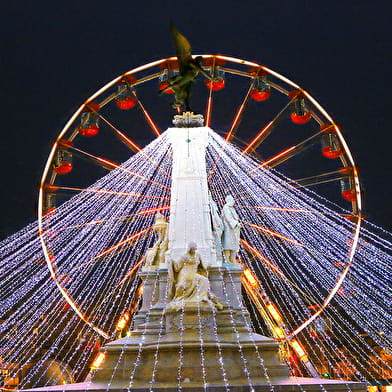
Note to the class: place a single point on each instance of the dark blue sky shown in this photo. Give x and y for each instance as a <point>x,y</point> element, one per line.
<point>56,54</point>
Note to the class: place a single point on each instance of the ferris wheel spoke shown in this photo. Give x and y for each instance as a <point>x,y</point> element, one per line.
<point>113,165</point>
<point>255,143</point>
<point>240,111</point>
<point>120,246</point>
<point>288,153</point>
<point>236,119</point>
<point>126,140</point>
<point>273,233</point>
<point>208,114</point>
<point>322,178</point>
<point>149,120</point>
<point>117,220</point>
<point>209,102</point>
<point>55,188</point>
<point>106,164</point>
<point>254,251</point>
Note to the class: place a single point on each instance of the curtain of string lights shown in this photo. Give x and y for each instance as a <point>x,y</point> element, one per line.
<point>294,242</point>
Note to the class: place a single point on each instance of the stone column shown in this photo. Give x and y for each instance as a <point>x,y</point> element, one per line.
<point>189,206</point>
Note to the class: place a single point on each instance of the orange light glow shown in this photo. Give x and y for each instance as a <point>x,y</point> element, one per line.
<point>209,106</point>
<point>149,120</point>
<point>131,144</point>
<point>258,137</point>
<point>299,350</point>
<point>280,155</point>
<point>249,276</point>
<point>278,332</point>
<point>273,233</point>
<point>122,322</point>
<point>274,313</point>
<point>131,271</point>
<point>151,210</point>
<point>121,243</point>
<point>259,255</point>
<point>98,361</point>
<point>239,114</point>
<point>116,166</point>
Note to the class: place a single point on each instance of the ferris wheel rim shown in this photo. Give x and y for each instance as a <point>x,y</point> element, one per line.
<point>154,63</point>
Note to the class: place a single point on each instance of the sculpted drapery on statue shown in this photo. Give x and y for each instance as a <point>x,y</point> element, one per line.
<point>217,228</point>
<point>188,283</point>
<point>231,231</point>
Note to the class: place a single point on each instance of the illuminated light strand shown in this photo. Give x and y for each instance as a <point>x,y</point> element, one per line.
<point>270,232</point>
<point>276,157</point>
<point>149,119</point>
<point>210,95</point>
<point>275,268</point>
<point>236,333</point>
<point>120,244</point>
<point>259,255</point>
<point>248,326</point>
<point>72,303</point>
<point>160,335</point>
<point>133,146</point>
<point>201,340</point>
<point>220,355</point>
<point>109,192</point>
<point>289,152</point>
<point>151,210</point>
<point>258,139</point>
<point>363,268</point>
<point>114,165</point>
<point>240,111</point>
<point>140,349</point>
<point>281,209</point>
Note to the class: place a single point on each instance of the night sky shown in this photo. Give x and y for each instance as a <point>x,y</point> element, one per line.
<point>54,54</point>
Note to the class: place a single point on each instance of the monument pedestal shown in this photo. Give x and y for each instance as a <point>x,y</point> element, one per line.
<point>198,345</point>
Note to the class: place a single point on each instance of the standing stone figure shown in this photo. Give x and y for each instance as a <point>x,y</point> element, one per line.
<point>188,284</point>
<point>231,231</point>
<point>217,228</point>
<point>156,254</point>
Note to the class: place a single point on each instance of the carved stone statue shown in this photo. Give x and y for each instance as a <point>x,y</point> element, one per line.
<point>189,69</point>
<point>188,284</point>
<point>217,228</point>
<point>156,254</point>
<point>231,231</point>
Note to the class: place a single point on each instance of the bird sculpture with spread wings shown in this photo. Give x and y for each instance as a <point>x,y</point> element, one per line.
<point>189,68</point>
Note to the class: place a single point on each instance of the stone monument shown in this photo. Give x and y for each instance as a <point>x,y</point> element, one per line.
<point>192,317</point>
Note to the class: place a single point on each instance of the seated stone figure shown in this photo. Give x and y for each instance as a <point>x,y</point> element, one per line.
<point>189,285</point>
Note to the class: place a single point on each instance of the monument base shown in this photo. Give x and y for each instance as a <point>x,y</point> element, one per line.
<point>197,348</point>
<point>291,384</point>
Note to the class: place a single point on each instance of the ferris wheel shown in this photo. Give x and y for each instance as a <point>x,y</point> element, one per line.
<point>265,115</point>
